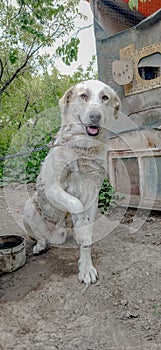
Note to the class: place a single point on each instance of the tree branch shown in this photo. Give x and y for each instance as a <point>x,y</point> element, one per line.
<point>18,70</point>
<point>18,13</point>
<point>1,68</point>
<point>15,74</point>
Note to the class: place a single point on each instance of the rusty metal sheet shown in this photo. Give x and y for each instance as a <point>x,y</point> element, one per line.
<point>134,140</point>
<point>138,84</point>
<point>137,175</point>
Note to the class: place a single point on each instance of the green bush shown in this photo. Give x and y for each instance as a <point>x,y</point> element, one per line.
<point>35,160</point>
<point>26,167</point>
<point>108,197</point>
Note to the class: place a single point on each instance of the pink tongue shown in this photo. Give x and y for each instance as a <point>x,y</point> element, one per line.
<point>92,131</point>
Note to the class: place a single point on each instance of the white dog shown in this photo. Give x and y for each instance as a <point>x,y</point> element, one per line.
<point>72,173</point>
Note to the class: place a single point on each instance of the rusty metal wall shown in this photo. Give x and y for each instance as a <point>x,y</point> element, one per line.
<point>135,158</point>
<point>143,107</point>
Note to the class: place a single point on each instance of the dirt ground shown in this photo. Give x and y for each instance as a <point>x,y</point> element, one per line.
<point>44,307</point>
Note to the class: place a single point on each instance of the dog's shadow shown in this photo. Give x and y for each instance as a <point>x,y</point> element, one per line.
<point>62,261</point>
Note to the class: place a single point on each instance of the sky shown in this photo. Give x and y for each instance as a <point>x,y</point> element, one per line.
<point>87,42</point>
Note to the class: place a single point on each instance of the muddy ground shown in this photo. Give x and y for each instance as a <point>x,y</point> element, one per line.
<point>44,307</point>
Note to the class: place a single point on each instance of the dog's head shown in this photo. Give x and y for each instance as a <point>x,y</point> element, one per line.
<point>90,104</point>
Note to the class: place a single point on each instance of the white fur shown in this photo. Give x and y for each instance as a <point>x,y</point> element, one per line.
<point>72,173</point>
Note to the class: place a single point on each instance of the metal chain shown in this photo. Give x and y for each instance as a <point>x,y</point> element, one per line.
<point>25,152</point>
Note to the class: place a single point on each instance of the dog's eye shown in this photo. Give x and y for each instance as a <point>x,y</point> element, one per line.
<point>105,98</point>
<point>84,97</point>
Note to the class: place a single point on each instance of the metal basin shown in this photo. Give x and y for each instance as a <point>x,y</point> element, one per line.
<point>12,252</point>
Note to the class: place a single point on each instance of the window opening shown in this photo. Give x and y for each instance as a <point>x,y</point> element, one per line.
<point>149,67</point>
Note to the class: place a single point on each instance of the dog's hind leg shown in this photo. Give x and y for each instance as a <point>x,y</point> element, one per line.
<point>44,232</point>
<point>35,227</point>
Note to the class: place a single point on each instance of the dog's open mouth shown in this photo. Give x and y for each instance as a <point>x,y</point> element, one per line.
<point>92,130</point>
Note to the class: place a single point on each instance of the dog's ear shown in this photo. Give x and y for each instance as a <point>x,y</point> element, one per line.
<point>66,99</point>
<point>116,106</point>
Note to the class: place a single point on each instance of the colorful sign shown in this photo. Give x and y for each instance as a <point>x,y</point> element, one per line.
<point>148,7</point>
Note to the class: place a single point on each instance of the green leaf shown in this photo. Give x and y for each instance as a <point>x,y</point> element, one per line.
<point>133,4</point>
<point>68,51</point>
<point>13,56</point>
<point>108,197</point>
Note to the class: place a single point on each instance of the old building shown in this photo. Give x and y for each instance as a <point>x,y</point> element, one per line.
<point>129,60</point>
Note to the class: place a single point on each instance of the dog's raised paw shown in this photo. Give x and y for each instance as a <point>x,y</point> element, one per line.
<point>88,274</point>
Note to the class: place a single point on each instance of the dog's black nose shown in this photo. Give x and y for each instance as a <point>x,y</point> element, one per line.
<point>95,118</point>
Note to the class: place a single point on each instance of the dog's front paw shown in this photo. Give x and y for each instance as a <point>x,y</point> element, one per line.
<point>87,274</point>
<point>39,247</point>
